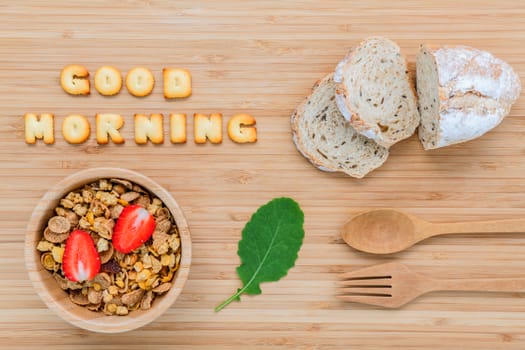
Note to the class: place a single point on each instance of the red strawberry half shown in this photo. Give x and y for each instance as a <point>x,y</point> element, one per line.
<point>134,226</point>
<point>81,261</point>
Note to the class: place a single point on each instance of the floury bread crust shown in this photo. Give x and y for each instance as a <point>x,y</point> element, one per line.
<point>322,135</point>
<point>463,93</point>
<point>374,92</point>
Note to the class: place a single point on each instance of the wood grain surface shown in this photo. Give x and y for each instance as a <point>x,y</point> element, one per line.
<point>262,58</point>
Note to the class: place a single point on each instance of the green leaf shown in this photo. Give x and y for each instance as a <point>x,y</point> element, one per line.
<point>269,246</point>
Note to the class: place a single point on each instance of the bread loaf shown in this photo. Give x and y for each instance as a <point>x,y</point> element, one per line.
<point>463,93</point>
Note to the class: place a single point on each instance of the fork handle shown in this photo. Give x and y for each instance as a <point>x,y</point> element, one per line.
<point>481,285</point>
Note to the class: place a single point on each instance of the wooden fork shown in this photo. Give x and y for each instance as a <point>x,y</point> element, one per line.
<point>392,285</point>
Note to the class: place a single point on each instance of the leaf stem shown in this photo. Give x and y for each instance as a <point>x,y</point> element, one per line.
<point>230,299</point>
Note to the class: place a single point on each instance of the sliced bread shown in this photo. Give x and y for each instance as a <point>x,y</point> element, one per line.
<point>324,137</point>
<point>463,93</point>
<point>374,92</point>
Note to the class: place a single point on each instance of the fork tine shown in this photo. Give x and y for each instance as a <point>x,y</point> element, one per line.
<point>377,282</point>
<point>378,292</point>
<point>367,299</point>
<point>371,272</point>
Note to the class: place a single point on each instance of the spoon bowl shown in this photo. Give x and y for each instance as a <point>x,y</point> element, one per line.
<point>380,231</point>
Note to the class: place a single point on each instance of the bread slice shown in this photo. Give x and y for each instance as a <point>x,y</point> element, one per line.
<point>374,92</point>
<point>463,93</point>
<point>324,137</point>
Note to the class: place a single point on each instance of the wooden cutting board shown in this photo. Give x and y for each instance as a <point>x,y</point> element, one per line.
<point>262,58</point>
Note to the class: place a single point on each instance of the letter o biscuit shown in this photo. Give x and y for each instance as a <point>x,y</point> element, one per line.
<point>75,129</point>
<point>140,82</point>
<point>108,81</point>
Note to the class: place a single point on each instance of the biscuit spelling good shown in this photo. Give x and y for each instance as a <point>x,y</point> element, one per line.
<point>108,81</point>
<point>140,81</point>
<point>74,79</point>
<point>177,83</point>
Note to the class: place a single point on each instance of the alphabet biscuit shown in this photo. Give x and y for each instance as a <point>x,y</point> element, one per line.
<point>42,128</point>
<point>74,79</point>
<point>108,81</point>
<point>177,128</point>
<point>148,128</point>
<point>140,81</point>
<point>208,128</point>
<point>108,125</point>
<point>177,83</point>
<point>75,129</point>
<point>241,128</point>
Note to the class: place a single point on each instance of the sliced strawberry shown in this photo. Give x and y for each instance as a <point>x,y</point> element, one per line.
<point>81,261</point>
<point>134,226</point>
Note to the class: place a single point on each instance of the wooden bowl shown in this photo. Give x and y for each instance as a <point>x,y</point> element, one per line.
<point>57,299</point>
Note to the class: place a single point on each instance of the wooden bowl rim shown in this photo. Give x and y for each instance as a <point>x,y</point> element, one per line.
<point>96,321</point>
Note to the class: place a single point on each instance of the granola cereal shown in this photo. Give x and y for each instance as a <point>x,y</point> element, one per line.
<point>126,282</point>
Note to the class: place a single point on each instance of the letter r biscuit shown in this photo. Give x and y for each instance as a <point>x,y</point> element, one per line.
<point>108,126</point>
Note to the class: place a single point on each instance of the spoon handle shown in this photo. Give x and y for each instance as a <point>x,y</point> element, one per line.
<point>496,226</point>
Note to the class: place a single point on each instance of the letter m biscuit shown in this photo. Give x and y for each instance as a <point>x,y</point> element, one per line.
<point>39,128</point>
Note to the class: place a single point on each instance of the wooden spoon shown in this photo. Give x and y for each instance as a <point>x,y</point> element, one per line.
<point>386,231</point>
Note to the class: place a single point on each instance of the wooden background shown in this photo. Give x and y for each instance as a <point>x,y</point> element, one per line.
<point>262,58</point>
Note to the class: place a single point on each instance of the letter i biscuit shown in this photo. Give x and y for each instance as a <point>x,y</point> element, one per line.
<point>178,128</point>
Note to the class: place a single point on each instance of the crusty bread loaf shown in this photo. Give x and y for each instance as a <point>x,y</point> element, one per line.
<point>323,136</point>
<point>374,92</point>
<point>463,93</point>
